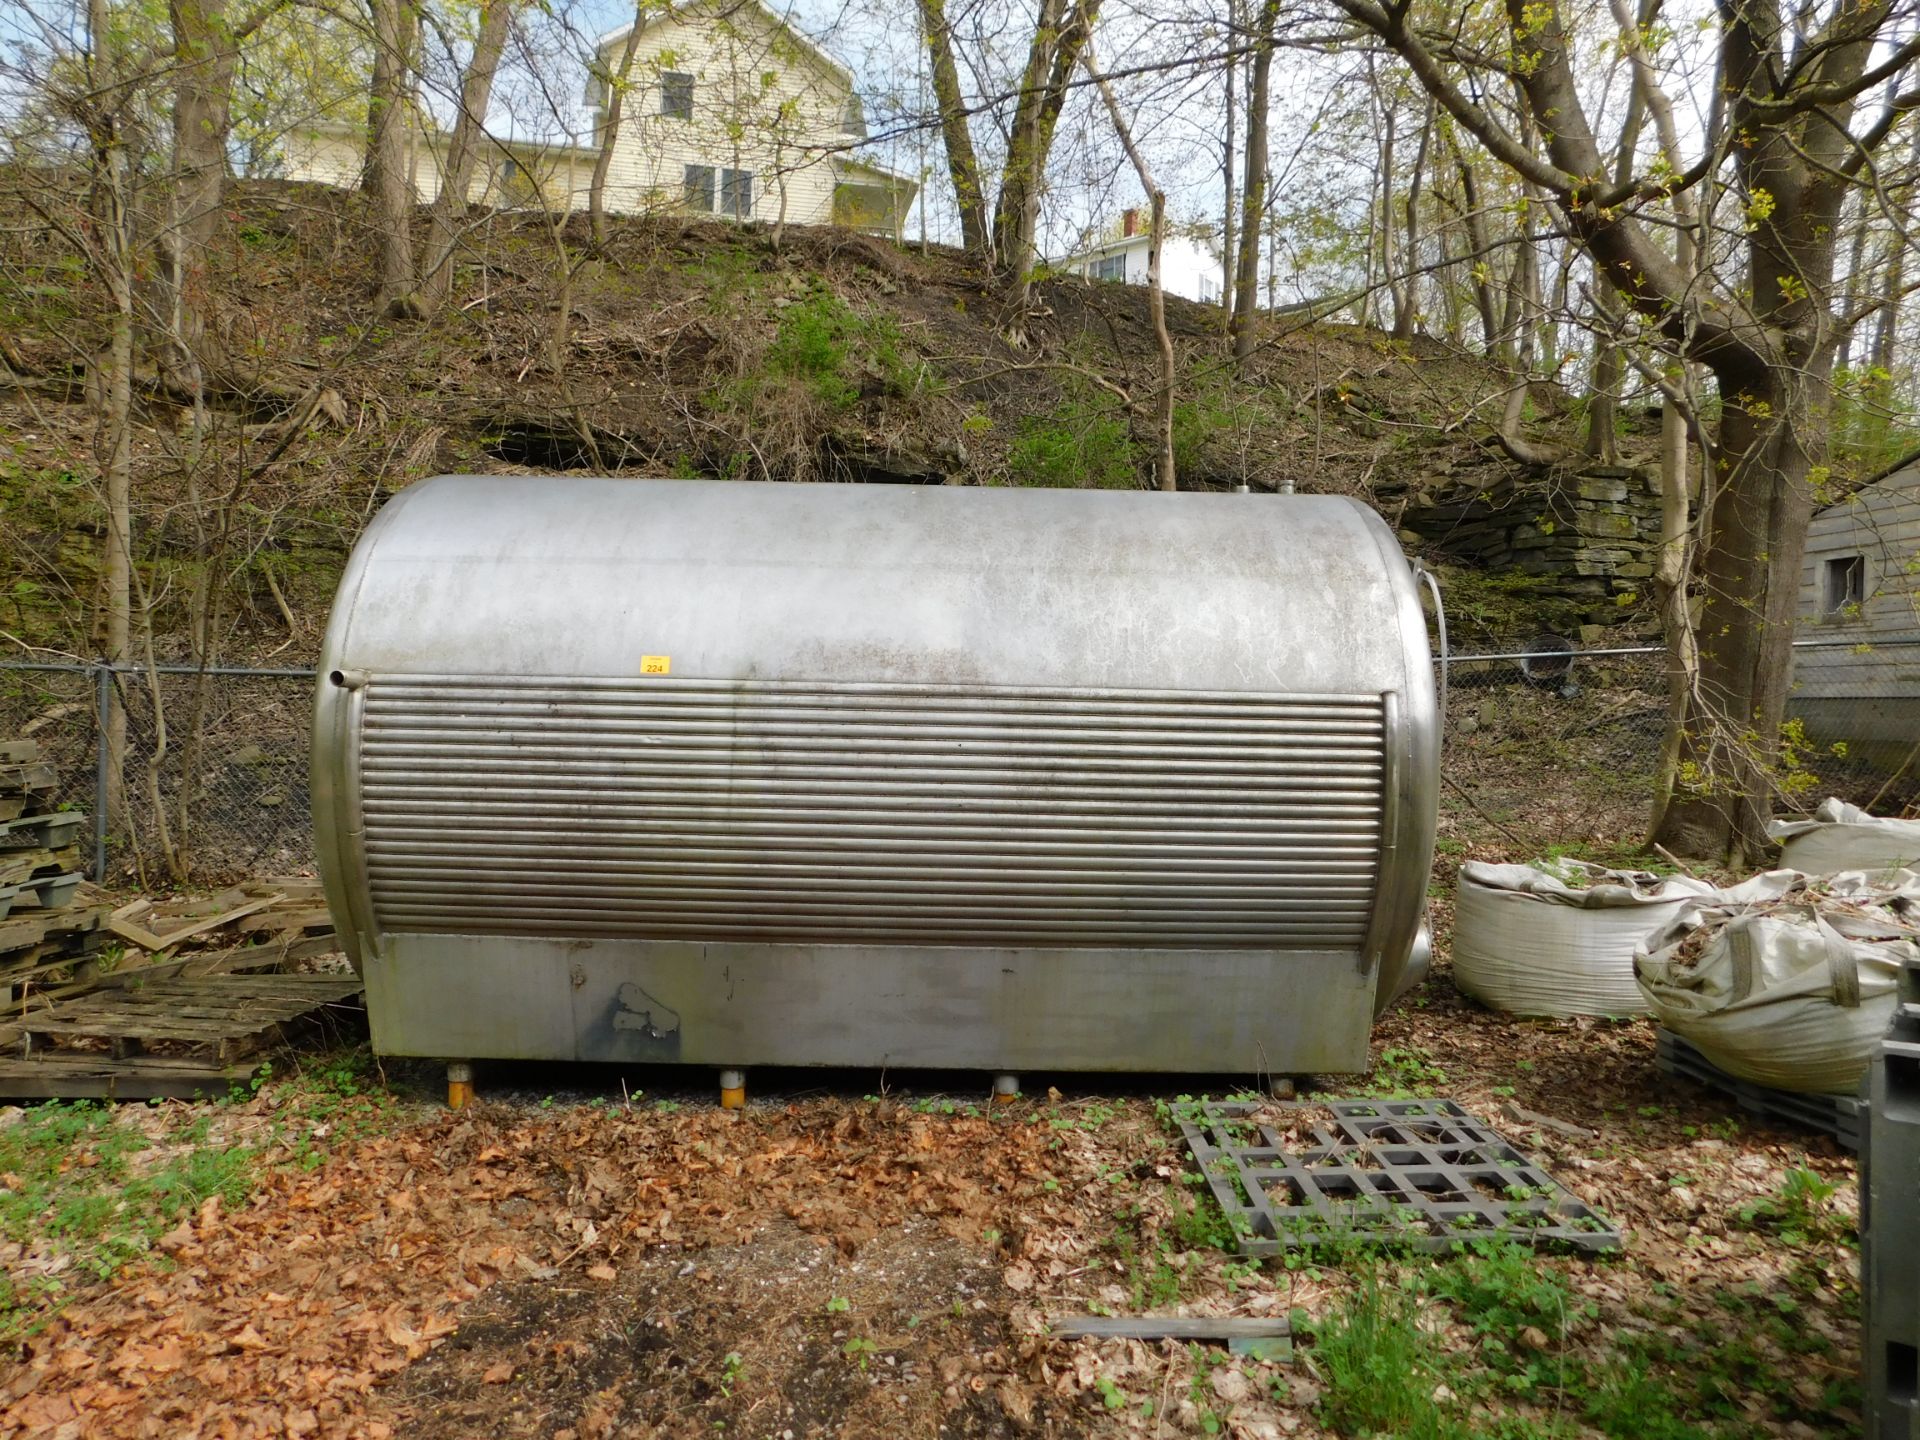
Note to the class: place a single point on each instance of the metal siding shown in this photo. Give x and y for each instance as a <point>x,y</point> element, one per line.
<point>839,813</point>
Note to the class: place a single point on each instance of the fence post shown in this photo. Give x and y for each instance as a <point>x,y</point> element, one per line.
<point>103,716</point>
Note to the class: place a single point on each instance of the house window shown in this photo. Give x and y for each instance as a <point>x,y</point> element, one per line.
<point>699,188</point>
<point>736,193</point>
<point>1846,587</point>
<point>1113,267</point>
<point>1209,292</point>
<point>853,119</point>
<point>676,95</point>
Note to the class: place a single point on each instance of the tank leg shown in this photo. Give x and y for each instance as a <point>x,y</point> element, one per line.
<point>1006,1089</point>
<point>733,1089</point>
<point>459,1085</point>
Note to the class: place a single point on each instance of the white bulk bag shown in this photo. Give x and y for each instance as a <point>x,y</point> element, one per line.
<point>1558,938</point>
<point>1784,981</point>
<point>1845,837</point>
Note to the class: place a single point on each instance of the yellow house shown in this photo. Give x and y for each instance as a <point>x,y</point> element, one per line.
<point>727,111</point>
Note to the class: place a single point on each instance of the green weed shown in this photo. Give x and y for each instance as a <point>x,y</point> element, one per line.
<point>1083,445</point>
<point>1800,1212</point>
<point>1380,1365</point>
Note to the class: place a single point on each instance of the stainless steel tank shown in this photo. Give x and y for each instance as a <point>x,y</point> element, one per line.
<point>654,770</point>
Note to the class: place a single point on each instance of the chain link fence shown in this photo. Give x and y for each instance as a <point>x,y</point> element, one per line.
<point>215,772</point>
<point>1549,746</point>
<point>1563,746</point>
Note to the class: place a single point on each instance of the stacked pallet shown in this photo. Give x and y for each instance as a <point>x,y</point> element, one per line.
<point>204,991</point>
<point>44,925</point>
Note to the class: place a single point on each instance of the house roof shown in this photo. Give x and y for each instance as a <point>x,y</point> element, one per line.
<point>1902,472</point>
<point>514,145</point>
<point>723,9</point>
<point>1905,462</point>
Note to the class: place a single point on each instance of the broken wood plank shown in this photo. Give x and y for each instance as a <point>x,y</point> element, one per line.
<point>136,934</point>
<point>1168,1327</point>
<point>306,917</point>
<point>154,941</point>
<point>1267,1338</point>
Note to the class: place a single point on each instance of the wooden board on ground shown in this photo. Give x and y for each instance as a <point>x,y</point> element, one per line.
<point>67,1076</point>
<point>208,1024</point>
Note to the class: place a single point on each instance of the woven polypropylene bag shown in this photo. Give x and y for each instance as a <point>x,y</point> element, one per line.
<point>1790,988</point>
<point>1533,940</point>
<point>1844,837</point>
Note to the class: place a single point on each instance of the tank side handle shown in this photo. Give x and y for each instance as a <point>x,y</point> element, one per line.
<point>1432,582</point>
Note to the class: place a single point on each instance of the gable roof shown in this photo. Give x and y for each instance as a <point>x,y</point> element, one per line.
<point>689,10</point>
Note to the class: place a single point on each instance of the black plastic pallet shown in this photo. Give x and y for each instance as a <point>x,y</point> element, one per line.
<point>1844,1117</point>
<point>1423,1174</point>
<point>1889,1219</point>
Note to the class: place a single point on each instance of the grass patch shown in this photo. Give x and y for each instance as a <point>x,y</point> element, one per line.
<point>1381,1365</point>
<point>81,1182</point>
<point>88,1189</point>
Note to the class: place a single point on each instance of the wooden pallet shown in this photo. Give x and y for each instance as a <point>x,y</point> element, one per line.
<point>19,865</point>
<point>32,941</point>
<point>175,1034</point>
<point>223,1017</point>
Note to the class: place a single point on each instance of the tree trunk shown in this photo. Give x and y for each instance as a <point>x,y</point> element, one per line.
<point>1157,313</point>
<point>463,153</point>
<point>111,390</point>
<point>1754,547</point>
<point>1381,236</point>
<point>1672,564</point>
<point>1061,37</point>
<point>963,166</point>
<point>1603,403</point>
<point>205,55</point>
<point>616,84</point>
<point>1234,13</point>
<point>1406,293</point>
<point>386,178</point>
<point>1253,190</point>
<point>1481,260</point>
<point>1163,466</point>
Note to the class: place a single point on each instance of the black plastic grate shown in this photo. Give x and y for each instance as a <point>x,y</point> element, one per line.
<point>1420,1173</point>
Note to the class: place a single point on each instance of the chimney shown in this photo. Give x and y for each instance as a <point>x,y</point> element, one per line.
<point>1129,222</point>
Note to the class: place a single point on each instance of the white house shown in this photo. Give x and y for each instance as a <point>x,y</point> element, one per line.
<point>1859,679</point>
<point>1189,265</point>
<point>728,110</point>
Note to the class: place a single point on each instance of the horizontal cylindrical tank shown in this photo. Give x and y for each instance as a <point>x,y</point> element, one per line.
<point>633,769</point>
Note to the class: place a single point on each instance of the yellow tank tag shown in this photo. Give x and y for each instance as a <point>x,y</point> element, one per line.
<point>656,664</point>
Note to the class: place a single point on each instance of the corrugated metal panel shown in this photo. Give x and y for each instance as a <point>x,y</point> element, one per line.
<point>782,811</point>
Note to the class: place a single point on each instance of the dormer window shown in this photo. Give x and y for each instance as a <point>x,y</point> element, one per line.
<point>853,118</point>
<point>676,95</point>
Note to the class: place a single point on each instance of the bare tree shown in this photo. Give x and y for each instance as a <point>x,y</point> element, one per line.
<point>1253,190</point>
<point>206,49</point>
<point>396,29</point>
<point>463,154</point>
<point>614,85</point>
<point>1163,468</point>
<point>963,165</point>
